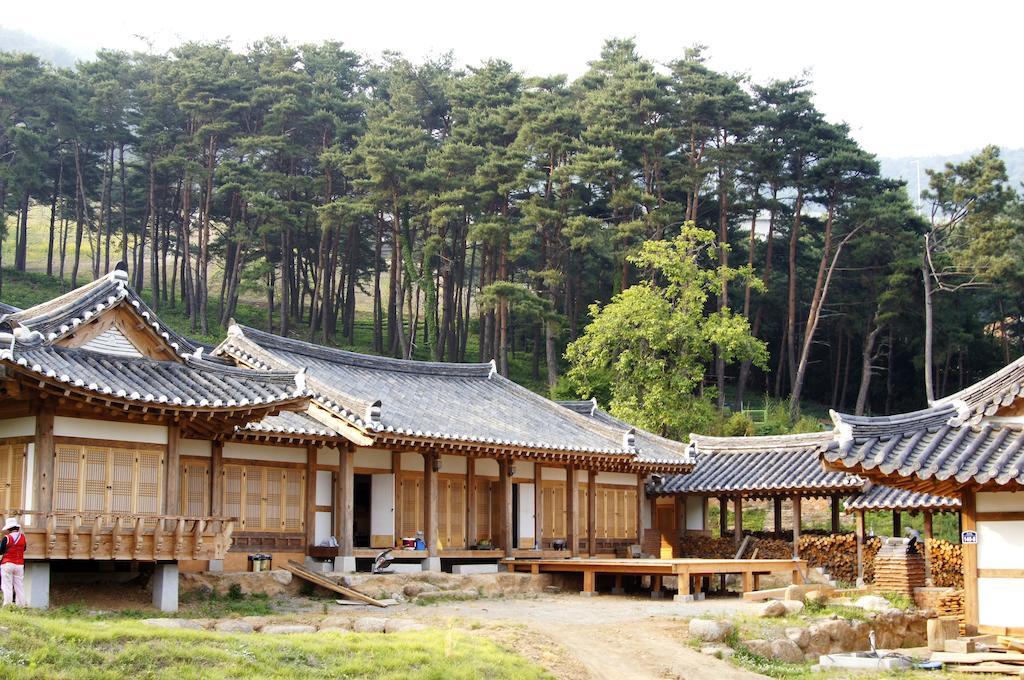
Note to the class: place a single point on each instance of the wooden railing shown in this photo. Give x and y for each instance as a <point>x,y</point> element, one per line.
<point>147,538</point>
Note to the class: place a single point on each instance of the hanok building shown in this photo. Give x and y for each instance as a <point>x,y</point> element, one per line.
<point>123,441</point>
<point>971,445</point>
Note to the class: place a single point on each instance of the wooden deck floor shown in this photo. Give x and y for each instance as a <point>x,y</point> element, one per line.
<point>687,570</point>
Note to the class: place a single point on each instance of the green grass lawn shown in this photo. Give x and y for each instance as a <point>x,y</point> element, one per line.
<point>39,645</point>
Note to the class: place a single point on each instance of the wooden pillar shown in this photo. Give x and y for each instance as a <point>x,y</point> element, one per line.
<point>737,530</point>
<point>835,514</point>
<point>796,527</point>
<point>723,517</point>
<point>471,528</point>
<point>430,465</point>
<point>968,514</point>
<point>172,498</point>
<point>777,514</point>
<point>860,548</point>
<point>897,524</point>
<point>216,478</point>
<point>396,470</point>
<point>924,548</point>
<point>507,533</point>
<point>572,511</point>
<point>43,467</point>
<point>641,497</point>
<point>538,506</point>
<point>592,512</point>
<point>310,520</point>
<point>345,501</point>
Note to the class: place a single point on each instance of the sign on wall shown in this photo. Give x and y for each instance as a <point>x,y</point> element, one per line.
<point>967,537</point>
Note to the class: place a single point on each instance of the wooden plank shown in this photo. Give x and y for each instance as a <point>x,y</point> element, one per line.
<point>1001,573</point>
<point>1008,516</point>
<point>940,631</point>
<point>968,509</point>
<point>1003,669</point>
<point>302,572</point>
<point>978,657</point>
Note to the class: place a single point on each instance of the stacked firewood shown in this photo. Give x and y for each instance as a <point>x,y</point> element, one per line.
<point>898,567</point>
<point>947,563</point>
<point>952,605</point>
<point>837,554</point>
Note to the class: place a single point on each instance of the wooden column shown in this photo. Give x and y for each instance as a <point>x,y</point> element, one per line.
<point>538,506</point>
<point>796,527</point>
<point>924,548</point>
<point>968,514</point>
<point>777,514</point>
<point>572,511</point>
<point>641,497</point>
<point>505,481</point>
<point>737,530</point>
<point>592,512</point>
<point>217,478</point>
<point>723,517</point>
<point>897,524</point>
<point>172,497</point>
<point>835,514</point>
<point>345,501</point>
<point>471,528</point>
<point>860,548</point>
<point>311,453</point>
<point>430,461</point>
<point>43,474</point>
<point>396,470</point>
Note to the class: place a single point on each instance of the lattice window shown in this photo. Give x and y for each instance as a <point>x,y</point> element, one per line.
<point>484,515</point>
<point>195,488</point>
<point>265,498</point>
<point>99,480</point>
<point>12,476</point>
<point>294,486</point>
<point>411,502</point>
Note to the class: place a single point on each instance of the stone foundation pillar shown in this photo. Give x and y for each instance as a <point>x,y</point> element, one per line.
<point>37,584</point>
<point>165,587</point>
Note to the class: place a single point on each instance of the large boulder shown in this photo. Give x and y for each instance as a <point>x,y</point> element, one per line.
<point>233,626</point>
<point>772,609</point>
<point>793,606</point>
<point>761,648</point>
<point>709,630</point>
<point>787,651</point>
<point>336,622</point>
<point>186,624</point>
<point>819,641</point>
<point>419,587</point>
<point>287,629</point>
<point>800,636</point>
<point>369,624</point>
<point>839,632</point>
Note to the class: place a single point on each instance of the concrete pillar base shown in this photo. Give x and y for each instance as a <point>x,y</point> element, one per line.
<point>216,566</point>
<point>37,585</point>
<point>345,564</point>
<point>683,598</point>
<point>584,593</point>
<point>165,587</point>
<point>657,594</point>
<point>431,564</point>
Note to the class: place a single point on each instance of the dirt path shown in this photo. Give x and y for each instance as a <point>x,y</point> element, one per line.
<point>607,638</point>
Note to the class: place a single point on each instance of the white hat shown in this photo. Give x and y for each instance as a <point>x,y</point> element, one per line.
<point>11,523</point>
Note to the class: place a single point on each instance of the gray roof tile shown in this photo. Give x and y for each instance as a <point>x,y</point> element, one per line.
<point>881,497</point>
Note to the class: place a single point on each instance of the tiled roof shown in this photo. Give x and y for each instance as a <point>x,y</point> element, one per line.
<point>881,497</point>
<point>469,403</point>
<point>6,309</point>
<point>925,446</point>
<point>759,466</point>
<point>194,383</point>
<point>651,448</point>
<point>290,423</point>
<point>987,396</point>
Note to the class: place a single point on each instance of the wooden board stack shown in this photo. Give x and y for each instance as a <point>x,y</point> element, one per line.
<point>1003,656</point>
<point>952,605</point>
<point>896,570</point>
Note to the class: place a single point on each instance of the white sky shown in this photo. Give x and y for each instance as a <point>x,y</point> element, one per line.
<point>911,78</point>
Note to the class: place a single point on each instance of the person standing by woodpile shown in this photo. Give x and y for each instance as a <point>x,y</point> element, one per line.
<point>12,564</point>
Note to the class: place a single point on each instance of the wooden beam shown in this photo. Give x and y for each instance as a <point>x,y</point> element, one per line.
<point>572,511</point>
<point>172,500</point>
<point>471,501</point>
<point>737,531</point>
<point>505,482</point>
<point>860,548</point>
<point>723,517</point>
<point>925,548</point>
<point>835,514</point>
<point>311,454</point>
<point>968,504</point>
<point>796,527</point>
<point>538,505</point>
<point>216,478</point>
<point>777,514</point>
<point>897,524</point>
<point>43,478</point>
<point>430,502</point>
<point>591,512</point>
<point>344,503</point>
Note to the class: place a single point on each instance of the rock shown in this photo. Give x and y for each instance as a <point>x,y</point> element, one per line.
<point>234,626</point>
<point>761,648</point>
<point>914,639</point>
<point>800,636</point>
<point>553,590</point>
<point>336,622</point>
<point>861,631</point>
<point>287,629</point>
<point>186,624</point>
<point>787,651</point>
<point>819,641</point>
<point>395,625</point>
<point>872,603</point>
<point>281,576</point>
<point>417,587</point>
<point>369,624</point>
<point>334,629</point>
<point>794,592</point>
<point>718,651</point>
<point>793,606</point>
<point>816,598</point>
<point>447,595</point>
<point>709,630</point>
<point>772,609</point>
<point>838,631</point>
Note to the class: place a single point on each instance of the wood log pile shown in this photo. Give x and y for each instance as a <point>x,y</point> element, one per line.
<point>898,569</point>
<point>837,554</point>
<point>947,563</point>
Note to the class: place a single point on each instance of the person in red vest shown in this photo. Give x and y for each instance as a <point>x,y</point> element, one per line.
<point>12,564</point>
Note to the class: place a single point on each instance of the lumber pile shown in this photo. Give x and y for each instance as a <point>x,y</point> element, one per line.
<point>947,563</point>
<point>995,659</point>
<point>898,569</point>
<point>952,605</point>
<point>319,580</point>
